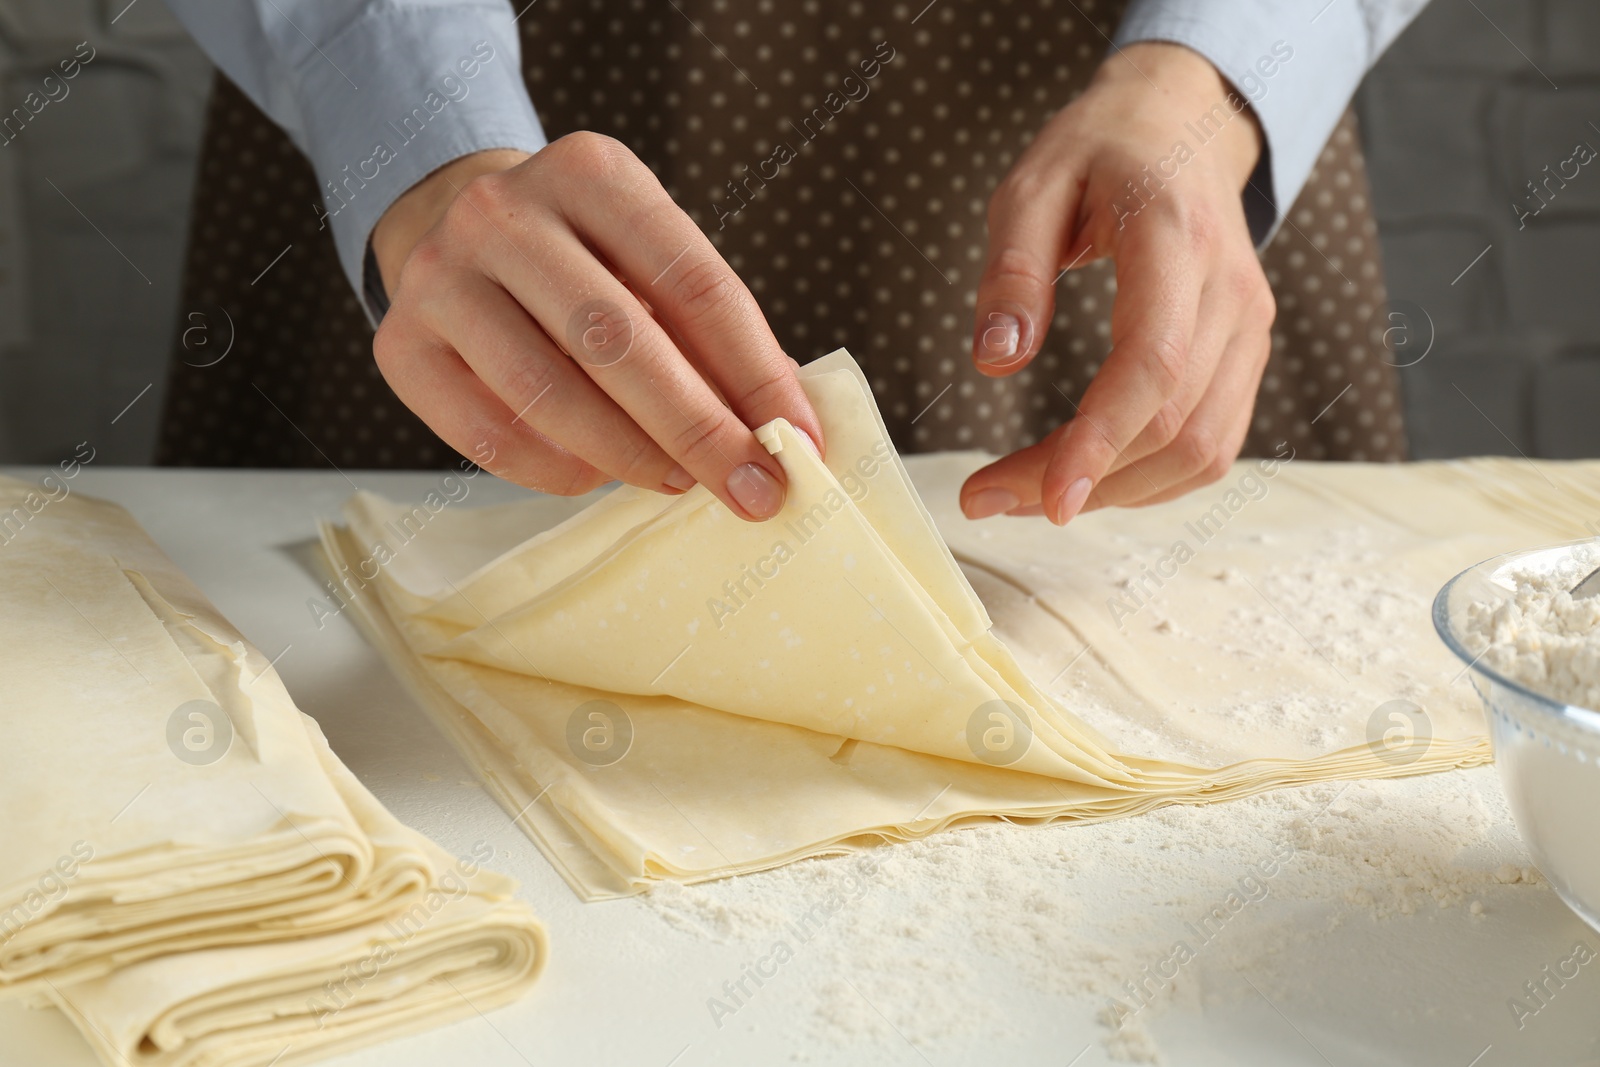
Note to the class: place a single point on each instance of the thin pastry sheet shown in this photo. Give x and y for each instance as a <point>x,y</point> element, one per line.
<point>832,678</point>
<point>186,868</point>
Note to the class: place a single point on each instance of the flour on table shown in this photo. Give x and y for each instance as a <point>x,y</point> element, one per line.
<point>1541,637</point>
<point>930,945</point>
<point>927,941</point>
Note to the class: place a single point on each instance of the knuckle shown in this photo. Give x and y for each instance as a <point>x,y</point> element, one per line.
<point>426,259</point>
<point>1263,307</point>
<point>485,196</point>
<point>526,379</point>
<point>698,439</point>
<point>530,460</point>
<point>640,462</point>
<point>592,154</point>
<point>770,389</point>
<point>1199,224</point>
<point>1168,356</point>
<point>1021,186</point>
<point>1199,454</point>
<point>1016,265</point>
<point>1248,286</point>
<point>706,291</point>
<point>573,478</point>
<point>394,343</point>
<point>1166,425</point>
<point>490,439</point>
<point>386,345</point>
<point>599,333</point>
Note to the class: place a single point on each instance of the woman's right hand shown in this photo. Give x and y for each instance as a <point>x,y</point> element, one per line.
<point>559,313</point>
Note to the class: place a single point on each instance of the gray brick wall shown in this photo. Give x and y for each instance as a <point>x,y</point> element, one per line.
<point>1474,101</point>
<point>1457,118</point>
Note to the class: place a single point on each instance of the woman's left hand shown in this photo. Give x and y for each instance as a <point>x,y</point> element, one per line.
<point>1120,172</point>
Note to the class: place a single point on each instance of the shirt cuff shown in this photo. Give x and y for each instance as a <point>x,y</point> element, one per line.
<point>394,96</point>
<point>1298,82</point>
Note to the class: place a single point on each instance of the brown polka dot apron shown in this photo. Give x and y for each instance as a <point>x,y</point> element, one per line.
<point>853,207</point>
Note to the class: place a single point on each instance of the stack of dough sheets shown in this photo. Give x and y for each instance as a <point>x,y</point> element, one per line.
<point>660,691</point>
<point>187,870</point>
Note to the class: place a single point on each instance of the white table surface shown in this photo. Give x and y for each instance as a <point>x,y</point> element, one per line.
<point>624,986</point>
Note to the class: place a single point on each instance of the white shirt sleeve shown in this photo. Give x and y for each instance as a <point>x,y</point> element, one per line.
<point>376,93</point>
<point>1298,62</point>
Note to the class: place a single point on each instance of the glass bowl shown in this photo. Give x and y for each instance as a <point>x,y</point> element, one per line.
<point>1547,752</point>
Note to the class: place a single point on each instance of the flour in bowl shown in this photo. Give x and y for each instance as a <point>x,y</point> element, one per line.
<point>1541,637</point>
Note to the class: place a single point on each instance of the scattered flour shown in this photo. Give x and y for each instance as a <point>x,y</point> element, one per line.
<point>1542,637</point>
<point>931,940</point>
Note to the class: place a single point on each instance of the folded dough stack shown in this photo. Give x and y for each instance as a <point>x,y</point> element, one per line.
<point>663,691</point>
<point>187,870</point>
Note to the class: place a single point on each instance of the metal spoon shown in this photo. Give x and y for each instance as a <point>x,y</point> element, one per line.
<point>1590,586</point>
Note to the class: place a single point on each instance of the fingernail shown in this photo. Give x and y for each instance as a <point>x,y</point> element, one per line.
<point>679,479</point>
<point>993,501</point>
<point>1000,337</point>
<point>1072,500</point>
<point>815,451</point>
<point>756,491</point>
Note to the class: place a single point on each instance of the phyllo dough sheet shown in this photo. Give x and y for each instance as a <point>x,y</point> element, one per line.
<point>659,690</point>
<point>186,868</point>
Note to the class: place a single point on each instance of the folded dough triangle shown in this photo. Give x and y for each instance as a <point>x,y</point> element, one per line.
<point>820,618</point>
<point>829,678</point>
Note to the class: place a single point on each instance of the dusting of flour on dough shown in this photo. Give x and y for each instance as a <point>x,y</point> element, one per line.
<point>1338,604</point>
<point>1541,637</point>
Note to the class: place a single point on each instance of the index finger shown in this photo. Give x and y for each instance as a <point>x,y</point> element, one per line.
<point>630,356</point>
<point>1159,282</point>
<point>710,312</point>
<point>583,307</point>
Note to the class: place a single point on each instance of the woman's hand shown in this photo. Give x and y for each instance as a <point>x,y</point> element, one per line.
<point>559,313</point>
<point>1170,407</point>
